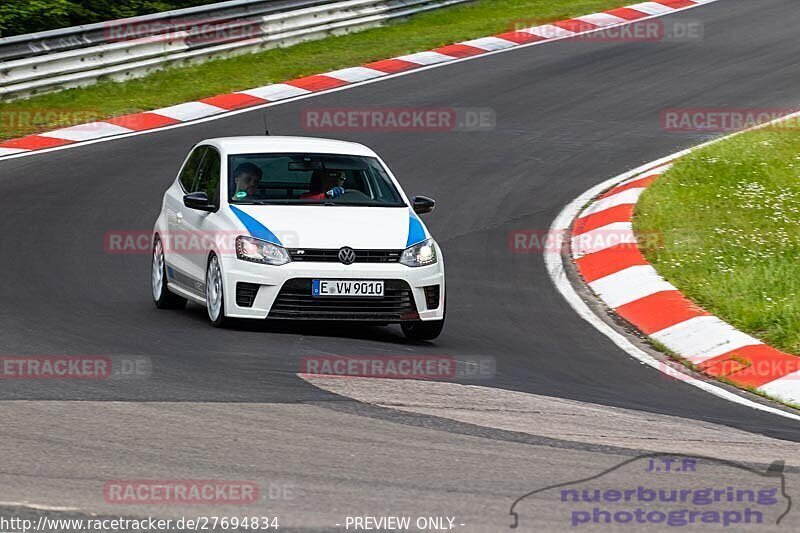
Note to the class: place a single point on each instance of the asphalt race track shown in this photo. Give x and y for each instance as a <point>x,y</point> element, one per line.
<point>228,403</point>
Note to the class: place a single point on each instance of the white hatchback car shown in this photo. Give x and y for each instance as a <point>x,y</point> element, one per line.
<point>297,228</point>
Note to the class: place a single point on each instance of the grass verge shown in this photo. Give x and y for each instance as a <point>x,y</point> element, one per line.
<point>178,85</point>
<point>729,217</point>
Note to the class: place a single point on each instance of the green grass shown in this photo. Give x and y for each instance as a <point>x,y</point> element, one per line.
<point>729,217</point>
<point>177,85</point>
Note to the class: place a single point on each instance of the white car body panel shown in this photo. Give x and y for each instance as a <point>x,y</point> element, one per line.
<point>309,226</point>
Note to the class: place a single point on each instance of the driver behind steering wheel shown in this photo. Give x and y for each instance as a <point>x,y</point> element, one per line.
<point>331,181</point>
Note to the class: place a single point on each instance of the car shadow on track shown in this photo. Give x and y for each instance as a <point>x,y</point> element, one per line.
<point>367,331</point>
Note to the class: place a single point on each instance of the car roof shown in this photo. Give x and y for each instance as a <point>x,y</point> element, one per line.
<point>278,144</point>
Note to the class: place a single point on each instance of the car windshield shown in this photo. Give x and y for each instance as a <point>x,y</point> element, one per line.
<point>307,179</point>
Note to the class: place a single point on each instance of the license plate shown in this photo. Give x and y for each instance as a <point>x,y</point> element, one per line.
<point>346,287</point>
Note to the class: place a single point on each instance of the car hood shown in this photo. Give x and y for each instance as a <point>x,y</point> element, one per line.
<point>300,226</point>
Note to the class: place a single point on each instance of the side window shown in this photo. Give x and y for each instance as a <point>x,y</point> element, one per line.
<point>208,177</point>
<point>189,173</point>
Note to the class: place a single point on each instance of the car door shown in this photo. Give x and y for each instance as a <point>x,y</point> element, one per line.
<point>199,224</point>
<point>178,254</point>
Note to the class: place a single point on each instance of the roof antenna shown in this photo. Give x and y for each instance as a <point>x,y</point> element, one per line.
<point>266,128</point>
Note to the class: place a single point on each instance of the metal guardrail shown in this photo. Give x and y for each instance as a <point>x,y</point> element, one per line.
<point>124,49</point>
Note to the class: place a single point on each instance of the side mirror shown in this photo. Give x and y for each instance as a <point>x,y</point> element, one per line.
<point>423,204</point>
<point>199,201</point>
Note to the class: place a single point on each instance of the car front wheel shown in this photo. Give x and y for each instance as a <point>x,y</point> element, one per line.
<point>422,331</point>
<point>215,293</point>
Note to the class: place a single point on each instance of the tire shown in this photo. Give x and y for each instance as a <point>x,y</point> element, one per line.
<point>424,331</point>
<point>163,298</point>
<point>215,294</point>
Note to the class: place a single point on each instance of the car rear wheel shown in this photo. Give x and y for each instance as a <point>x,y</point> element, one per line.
<point>215,293</point>
<point>163,298</point>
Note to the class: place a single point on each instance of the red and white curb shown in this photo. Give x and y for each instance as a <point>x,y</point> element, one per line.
<point>260,96</point>
<point>604,249</point>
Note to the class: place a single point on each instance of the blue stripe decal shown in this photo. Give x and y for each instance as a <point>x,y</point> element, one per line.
<point>416,232</point>
<point>256,228</point>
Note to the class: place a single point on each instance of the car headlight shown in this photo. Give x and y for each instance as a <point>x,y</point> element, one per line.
<point>258,251</point>
<point>421,254</point>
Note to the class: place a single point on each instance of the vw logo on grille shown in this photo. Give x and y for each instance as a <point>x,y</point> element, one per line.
<point>347,255</point>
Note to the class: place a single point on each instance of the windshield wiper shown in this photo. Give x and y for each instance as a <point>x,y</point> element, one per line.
<point>362,204</point>
<point>275,202</point>
<point>327,202</point>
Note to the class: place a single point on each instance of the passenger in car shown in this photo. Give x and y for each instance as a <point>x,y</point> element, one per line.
<point>325,184</point>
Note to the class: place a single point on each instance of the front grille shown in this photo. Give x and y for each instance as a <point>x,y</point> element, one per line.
<point>294,301</point>
<point>319,255</point>
<point>431,297</point>
<point>246,294</point>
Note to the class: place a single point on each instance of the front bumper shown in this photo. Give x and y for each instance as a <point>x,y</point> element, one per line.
<point>293,277</point>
